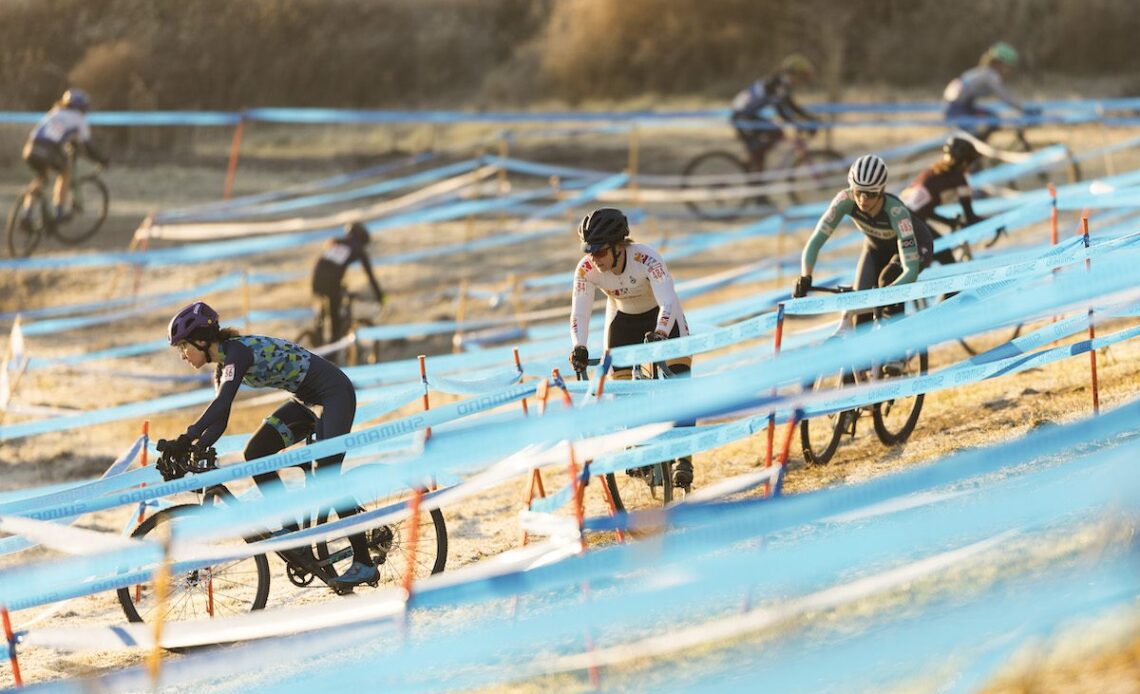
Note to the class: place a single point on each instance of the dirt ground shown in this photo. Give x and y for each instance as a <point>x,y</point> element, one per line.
<point>278,156</point>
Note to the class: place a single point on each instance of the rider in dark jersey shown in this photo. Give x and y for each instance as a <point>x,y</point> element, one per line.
<point>755,106</point>
<point>268,362</point>
<point>944,182</point>
<point>328,275</point>
<point>897,245</point>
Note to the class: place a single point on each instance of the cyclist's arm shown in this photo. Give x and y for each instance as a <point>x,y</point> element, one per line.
<point>903,225</point>
<point>212,424</point>
<point>661,282</point>
<point>840,205</point>
<point>93,153</point>
<point>994,85</point>
<point>367,265</point>
<point>792,112</point>
<point>581,302</point>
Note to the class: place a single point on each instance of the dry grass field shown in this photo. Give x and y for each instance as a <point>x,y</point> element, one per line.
<point>277,156</point>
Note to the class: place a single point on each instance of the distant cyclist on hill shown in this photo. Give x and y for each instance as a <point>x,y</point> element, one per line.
<point>944,182</point>
<point>328,275</point>
<point>755,107</point>
<point>959,99</point>
<point>896,246</point>
<point>641,303</point>
<point>58,133</point>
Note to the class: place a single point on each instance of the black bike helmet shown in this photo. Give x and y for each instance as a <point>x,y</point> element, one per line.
<point>602,227</point>
<point>960,151</point>
<point>358,232</point>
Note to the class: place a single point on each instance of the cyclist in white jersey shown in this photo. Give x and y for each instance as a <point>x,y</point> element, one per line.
<point>959,99</point>
<point>641,303</point>
<point>60,130</point>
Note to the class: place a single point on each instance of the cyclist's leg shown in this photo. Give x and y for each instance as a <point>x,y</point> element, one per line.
<point>289,423</point>
<point>336,317</point>
<point>871,262</point>
<point>338,410</point>
<point>683,473</point>
<point>757,142</point>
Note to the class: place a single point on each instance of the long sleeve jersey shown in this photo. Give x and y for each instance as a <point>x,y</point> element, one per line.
<point>642,285</point>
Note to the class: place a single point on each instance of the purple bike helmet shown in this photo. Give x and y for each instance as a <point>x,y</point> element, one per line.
<point>194,322</point>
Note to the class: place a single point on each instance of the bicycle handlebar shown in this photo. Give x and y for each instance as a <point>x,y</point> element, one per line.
<point>174,465</point>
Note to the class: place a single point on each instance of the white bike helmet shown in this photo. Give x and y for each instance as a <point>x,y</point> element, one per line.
<point>868,174</point>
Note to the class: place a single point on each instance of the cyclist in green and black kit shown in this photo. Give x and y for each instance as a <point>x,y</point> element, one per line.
<point>897,244</point>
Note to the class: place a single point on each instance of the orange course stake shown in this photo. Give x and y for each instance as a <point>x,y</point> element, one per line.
<point>1092,330</point>
<point>784,451</point>
<point>542,393</point>
<point>231,169</point>
<point>413,540</point>
<point>427,402</point>
<point>11,637</point>
<point>143,461</point>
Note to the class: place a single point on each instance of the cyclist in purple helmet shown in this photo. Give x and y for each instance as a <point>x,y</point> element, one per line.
<point>269,362</point>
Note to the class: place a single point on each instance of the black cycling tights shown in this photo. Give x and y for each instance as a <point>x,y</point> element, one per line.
<point>290,423</point>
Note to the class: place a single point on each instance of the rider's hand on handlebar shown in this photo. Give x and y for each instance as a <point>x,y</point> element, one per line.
<point>579,358</point>
<point>654,336</point>
<point>803,284</point>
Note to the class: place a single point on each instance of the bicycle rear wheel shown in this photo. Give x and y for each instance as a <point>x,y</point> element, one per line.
<point>810,172</point>
<point>895,418</point>
<point>641,488</point>
<point>202,592</point>
<point>819,436</point>
<point>25,230</point>
<point>390,545</point>
<point>88,211</point>
<point>716,170</point>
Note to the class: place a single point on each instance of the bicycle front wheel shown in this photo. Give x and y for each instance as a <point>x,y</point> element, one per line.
<point>895,418</point>
<point>819,436</point>
<point>715,172</point>
<point>390,545</point>
<point>88,211</point>
<point>26,227</point>
<point>199,592</point>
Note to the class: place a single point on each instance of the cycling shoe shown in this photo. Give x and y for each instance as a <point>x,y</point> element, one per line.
<point>683,474</point>
<point>359,573</point>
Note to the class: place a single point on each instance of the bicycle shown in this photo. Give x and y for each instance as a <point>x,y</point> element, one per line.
<point>963,253</point>
<point>356,352</point>
<point>1014,147</point>
<point>649,485</point>
<point>33,216</point>
<point>723,169</point>
<point>242,585</point>
<point>894,419</point>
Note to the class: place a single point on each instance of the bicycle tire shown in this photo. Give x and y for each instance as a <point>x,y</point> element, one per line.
<point>895,420</point>
<point>717,163</point>
<point>805,167</point>
<point>359,353</point>
<point>89,201</point>
<point>820,441</point>
<point>388,545</point>
<point>650,486</point>
<point>22,241</point>
<point>237,587</point>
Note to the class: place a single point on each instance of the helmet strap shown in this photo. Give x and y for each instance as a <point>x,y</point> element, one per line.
<point>613,254</point>
<point>203,347</point>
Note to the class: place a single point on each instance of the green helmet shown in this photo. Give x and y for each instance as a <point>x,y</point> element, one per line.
<point>1002,52</point>
<point>798,64</point>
